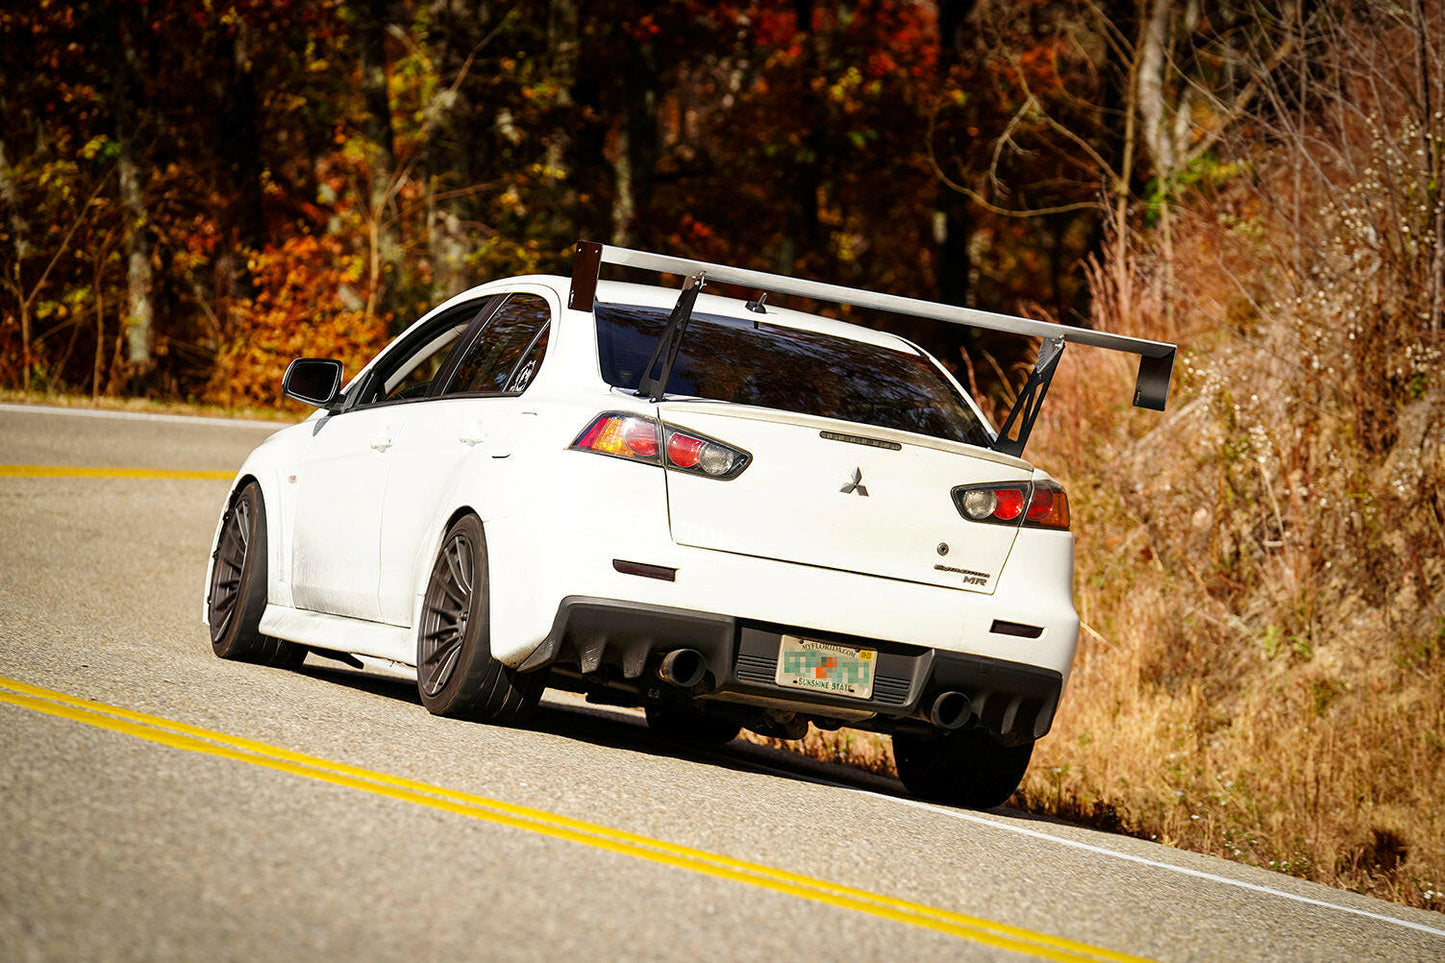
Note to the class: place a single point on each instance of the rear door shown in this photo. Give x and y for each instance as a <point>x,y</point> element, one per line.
<point>842,496</point>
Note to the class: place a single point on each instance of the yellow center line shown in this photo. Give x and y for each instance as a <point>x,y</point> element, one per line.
<point>96,471</point>
<point>193,739</point>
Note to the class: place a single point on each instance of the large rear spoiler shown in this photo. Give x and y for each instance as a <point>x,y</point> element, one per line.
<point>1156,358</point>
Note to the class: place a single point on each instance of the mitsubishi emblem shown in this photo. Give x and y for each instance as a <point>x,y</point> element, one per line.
<point>856,485</point>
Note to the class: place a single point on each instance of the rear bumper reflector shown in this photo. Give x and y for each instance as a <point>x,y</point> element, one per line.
<point>1016,629</point>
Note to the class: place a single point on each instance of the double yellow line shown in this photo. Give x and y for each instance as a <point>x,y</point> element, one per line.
<point>178,735</point>
<point>91,471</point>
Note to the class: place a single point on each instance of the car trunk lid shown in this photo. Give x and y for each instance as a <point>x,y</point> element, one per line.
<point>841,495</point>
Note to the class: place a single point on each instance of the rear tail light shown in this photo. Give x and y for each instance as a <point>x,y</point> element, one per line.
<point>636,438</point>
<point>691,452</point>
<point>622,436</point>
<point>1041,505</point>
<point>1049,507</point>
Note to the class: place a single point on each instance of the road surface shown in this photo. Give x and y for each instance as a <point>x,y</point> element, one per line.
<point>157,803</point>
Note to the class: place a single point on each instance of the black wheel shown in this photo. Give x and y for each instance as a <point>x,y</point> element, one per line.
<point>963,768</point>
<point>238,587</point>
<point>455,672</point>
<point>687,724</point>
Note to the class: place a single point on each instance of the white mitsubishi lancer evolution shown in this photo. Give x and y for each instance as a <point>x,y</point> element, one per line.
<point>724,512</point>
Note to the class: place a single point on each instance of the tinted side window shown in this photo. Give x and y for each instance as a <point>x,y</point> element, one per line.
<point>410,366</point>
<point>514,340</point>
<point>789,369</point>
<point>414,378</point>
<point>528,368</point>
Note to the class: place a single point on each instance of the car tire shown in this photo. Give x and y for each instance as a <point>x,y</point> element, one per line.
<point>455,672</point>
<point>238,587</point>
<point>966,768</point>
<point>687,724</point>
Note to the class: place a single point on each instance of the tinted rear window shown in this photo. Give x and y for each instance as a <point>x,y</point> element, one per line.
<point>727,359</point>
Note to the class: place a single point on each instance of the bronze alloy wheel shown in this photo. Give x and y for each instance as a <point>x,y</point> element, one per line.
<point>450,599</point>
<point>455,672</point>
<point>238,587</point>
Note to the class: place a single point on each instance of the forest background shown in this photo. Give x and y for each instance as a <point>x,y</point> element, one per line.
<point>194,193</point>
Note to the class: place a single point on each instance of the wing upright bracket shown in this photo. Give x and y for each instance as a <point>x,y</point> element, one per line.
<point>654,383</point>
<point>1030,399</point>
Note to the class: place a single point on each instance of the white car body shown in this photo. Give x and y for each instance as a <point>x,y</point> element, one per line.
<point>834,531</point>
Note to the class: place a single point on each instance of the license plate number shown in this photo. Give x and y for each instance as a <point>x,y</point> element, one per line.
<point>826,668</point>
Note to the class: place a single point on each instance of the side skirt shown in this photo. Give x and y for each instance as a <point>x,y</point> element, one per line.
<point>391,643</point>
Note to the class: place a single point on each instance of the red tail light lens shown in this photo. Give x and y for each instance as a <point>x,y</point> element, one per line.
<point>683,450</point>
<point>1049,507</point>
<point>1010,504</point>
<point>640,438</point>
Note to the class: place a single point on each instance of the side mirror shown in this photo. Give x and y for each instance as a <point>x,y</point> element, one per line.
<point>313,381</point>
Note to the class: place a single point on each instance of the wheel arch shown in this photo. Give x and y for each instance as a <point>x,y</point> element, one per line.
<point>271,508</point>
<point>429,553</point>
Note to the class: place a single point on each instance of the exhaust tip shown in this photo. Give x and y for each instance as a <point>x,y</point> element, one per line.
<point>950,710</point>
<point>683,668</point>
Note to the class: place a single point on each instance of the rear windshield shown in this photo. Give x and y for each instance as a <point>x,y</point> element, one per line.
<point>727,359</point>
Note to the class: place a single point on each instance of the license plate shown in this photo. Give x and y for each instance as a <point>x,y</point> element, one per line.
<point>826,668</point>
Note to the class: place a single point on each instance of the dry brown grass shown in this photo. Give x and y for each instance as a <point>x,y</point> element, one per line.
<point>862,750</point>
<point>1262,670</point>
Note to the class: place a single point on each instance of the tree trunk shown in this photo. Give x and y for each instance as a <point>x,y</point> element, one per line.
<point>139,325</point>
<point>1164,121</point>
<point>953,220</point>
<point>563,46</point>
<point>636,163</point>
<point>10,194</point>
<point>240,136</point>
<point>385,237</point>
<point>453,151</point>
<point>99,269</point>
<point>801,233</point>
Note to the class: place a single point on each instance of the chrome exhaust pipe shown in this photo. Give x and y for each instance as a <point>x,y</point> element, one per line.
<point>683,668</point>
<point>950,710</point>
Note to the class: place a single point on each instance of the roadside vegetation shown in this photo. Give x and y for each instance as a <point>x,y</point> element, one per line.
<point>1261,569</point>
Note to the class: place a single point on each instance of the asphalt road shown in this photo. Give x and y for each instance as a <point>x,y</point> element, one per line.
<point>157,803</point>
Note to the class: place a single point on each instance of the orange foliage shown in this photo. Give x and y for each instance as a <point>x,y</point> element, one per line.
<point>310,302</point>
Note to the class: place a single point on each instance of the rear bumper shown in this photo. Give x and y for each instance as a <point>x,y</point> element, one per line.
<point>625,641</point>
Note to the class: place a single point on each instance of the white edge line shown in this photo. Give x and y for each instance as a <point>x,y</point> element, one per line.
<point>145,416</point>
<point>1089,847</point>
<point>1184,870</point>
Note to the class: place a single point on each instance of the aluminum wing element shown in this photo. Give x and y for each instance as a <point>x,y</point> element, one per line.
<point>1156,358</point>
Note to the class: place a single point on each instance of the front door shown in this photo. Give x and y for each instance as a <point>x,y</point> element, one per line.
<point>336,551</point>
